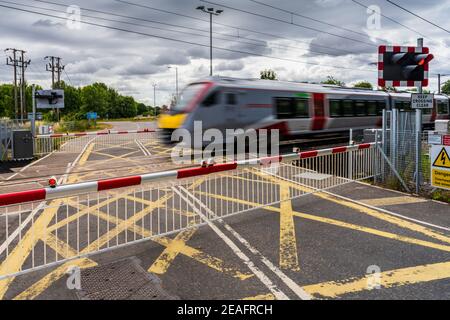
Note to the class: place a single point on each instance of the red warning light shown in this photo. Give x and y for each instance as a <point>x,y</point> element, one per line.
<point>52,182</point>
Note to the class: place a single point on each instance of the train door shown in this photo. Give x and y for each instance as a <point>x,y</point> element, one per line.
<point>319,118</point>
<point>231,109</point>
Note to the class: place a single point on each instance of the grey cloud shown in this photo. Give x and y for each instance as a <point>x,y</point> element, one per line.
<point>230,66</point>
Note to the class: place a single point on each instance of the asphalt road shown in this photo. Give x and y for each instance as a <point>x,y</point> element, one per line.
<point>323,245</point>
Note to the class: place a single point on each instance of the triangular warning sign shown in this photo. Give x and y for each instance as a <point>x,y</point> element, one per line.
<point>442,160</point>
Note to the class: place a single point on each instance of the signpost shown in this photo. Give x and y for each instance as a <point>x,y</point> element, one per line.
<point>50,99</point>
<point>446,140</point>
<point>440,167</point>
<point>422,101</point>
<point>400,66</point>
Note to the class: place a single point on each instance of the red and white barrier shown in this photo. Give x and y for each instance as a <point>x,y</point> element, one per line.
<point>71,190</point>
<point>99,133</point>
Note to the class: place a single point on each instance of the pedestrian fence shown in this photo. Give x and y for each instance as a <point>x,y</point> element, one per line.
<point>47,227</point>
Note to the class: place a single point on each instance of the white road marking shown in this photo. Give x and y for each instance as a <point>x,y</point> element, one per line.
<point>256,271</point>
<point>30,217</point>
<point>302,294</point>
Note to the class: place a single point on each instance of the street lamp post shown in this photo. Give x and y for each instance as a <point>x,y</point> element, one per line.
<point>154,95</point>
<point>211,13</point>
<point>439,81</point>
<point>176,75</point>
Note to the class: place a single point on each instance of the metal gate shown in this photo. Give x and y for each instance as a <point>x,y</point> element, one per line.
<point>48,227</point>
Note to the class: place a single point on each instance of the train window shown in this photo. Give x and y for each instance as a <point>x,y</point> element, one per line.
<point>360,107</point>
<point>347,107</point>
<point>211,100</point>
<point>335,108</point>
<point>301,108</point>
<point>442,107</point>
<point>231,99</point>
<point>284,108</point>
<point>381,105</point>
<point>372,108</point>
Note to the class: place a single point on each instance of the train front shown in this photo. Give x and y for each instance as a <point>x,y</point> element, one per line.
<point>180,116</point>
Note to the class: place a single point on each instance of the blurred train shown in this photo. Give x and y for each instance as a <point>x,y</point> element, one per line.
<point>296,109</point>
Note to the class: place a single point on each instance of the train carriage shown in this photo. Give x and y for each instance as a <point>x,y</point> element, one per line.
<point>296,109</point>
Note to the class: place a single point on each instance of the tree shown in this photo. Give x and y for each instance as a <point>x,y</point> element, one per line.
<point>95,99</point>
<point>269,74</point>
<point>6,100</point>
<point>446,87</point>
<point>333,81</point>
<point>363,85</point>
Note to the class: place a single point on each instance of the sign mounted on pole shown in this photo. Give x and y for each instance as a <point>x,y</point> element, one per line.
<point>403,66</point>
<point>440,167</point>
<point>50,99</point>
<point>422,101</point>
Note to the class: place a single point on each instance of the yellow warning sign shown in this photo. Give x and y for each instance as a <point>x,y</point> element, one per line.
<point>441,179</point>
<point>442,160</point>
<point>440,169</point>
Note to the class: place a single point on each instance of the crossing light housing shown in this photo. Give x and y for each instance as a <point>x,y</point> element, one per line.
<point>404,66</point>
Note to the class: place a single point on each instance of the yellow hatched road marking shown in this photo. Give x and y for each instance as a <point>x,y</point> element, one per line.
<point>388,279</point>
<point>288,242</point>
<point>163,262</point>
<point>371,212</point>
<point>391,201</point>
<point>84,158</point>
<point>342,224</point>
<point>201,257</point>
<point>261,297</point>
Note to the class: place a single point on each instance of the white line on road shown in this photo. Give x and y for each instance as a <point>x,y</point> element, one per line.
<point>302,294</point>
<point>30,217</point>
<point>256,271</point>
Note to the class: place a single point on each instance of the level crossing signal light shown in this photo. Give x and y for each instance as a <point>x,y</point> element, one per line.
<point>403,66</point>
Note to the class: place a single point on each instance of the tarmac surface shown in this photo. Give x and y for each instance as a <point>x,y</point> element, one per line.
<point>353,241</point>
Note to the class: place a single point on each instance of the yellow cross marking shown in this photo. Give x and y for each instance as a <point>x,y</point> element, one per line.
<point>371,212</point>
<point>341,224</point>
<point>288,242</point>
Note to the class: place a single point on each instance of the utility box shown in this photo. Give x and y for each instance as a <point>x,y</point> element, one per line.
<point>442,126</point>
<point>22,143</point>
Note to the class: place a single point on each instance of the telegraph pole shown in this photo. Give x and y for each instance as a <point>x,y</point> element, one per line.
<point>17,61</point>
<point>55,67</point>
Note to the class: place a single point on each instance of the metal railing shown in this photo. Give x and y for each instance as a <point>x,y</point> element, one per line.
<point>47,227</point>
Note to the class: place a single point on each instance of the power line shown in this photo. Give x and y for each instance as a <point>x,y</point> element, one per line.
<point>68,78</point>
<point>392,20</point>
<point>286,22</point>
<point>140,19</point>
<point>185,41</point>
<point>416,15</point>
<point>230,26</point>
<point>153,27</point>
<point>309,18</point>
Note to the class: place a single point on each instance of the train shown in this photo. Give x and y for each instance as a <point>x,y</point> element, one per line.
<point>295,109</point>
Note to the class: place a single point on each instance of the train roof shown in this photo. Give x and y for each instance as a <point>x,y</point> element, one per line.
<point>299,86</point>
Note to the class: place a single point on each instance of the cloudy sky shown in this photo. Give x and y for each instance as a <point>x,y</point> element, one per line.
<point>321,38</point>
